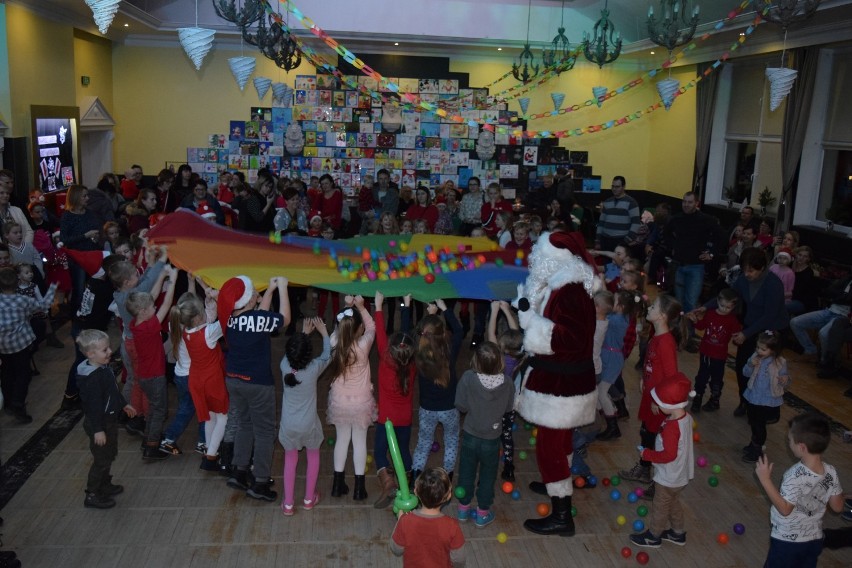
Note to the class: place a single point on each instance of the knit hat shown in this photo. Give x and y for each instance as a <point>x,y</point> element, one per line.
<point>785,251</point>
<point>573,242</point>
<point>235,294</point>
<point>673,392</point>
<point>205,210</point>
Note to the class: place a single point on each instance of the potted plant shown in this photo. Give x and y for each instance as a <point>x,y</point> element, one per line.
<point>730,193</point>
<point>765,199</point>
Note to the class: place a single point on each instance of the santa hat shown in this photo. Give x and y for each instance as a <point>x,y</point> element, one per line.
<point>235,294</point>
<point>314,215</point>
<point>673,392</point>
<point>785,251</point>
<point>89,260</point>
<point>205,210</point>
<point>574,243</point>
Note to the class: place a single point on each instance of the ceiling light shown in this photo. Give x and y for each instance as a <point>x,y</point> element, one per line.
<point>396,43</point>
<point>653,52</point>
<point>499,49</point>
<point>126,25</point>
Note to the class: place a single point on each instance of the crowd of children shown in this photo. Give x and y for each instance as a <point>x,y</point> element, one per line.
<point>232,391</point>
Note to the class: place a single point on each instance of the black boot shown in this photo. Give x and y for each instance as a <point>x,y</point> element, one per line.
<point>360,492</point>
<point>226,454</point>
<point>612,432</point>
<point>696,403</point>
<point>538,487</point>
<point>239,479</point>
<point>559,521</point>
<point>621,407</point>
<point>338,485</point>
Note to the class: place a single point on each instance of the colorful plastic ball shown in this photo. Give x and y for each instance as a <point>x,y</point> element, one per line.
<point>532,441</point>
<point>519,254</point>
<point>626,552</point>
<point>579,482</point>
<point>507,487</point>
<point>621,520</point>
<point>701,461</point>
<point>502,538</point>
<point>522,455</point>
<point>713,481</point>
<point>592,481</point>
<point>642,558</point>
<point>528,426</point>
<point>429,278</point>
<point>615,494</point>
<point>543,509</point>
<point>331,262</point>
<point>330,441</point>
<point>516,495</point>
<point>369,458</point>
<point>436,447</point>
<point>535,432</point>
<point>460,492</point>
<point>638,525</point>
<point>365,254</point>
<point>722,538</point>
<point>739,528</point>
<point>615,480</point>
<point>632,498</point>
<point>694,424</point>
<point>696,437</point>
<point>461,247</point>
<point>519,262</point>
<point>716,468</point>
<point>498,262</point>
<point>639,491</point>
<point>606,482</point>
<point>642,510</point>
<point>403,247</point>
<point>573,511</point>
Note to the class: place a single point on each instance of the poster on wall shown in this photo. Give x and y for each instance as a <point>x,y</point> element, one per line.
<point>55,145</point>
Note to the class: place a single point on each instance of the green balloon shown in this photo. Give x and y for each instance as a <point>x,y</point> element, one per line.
<point>642,510</point>
<point>615,480</point>
<point>460,492</point>
<point>716,468</point>
<point>713,481</point>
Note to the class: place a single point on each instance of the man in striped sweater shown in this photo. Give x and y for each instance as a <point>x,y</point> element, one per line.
<point>619,218</point>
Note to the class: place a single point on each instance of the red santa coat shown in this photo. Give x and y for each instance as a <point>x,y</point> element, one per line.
<point>559,391</point>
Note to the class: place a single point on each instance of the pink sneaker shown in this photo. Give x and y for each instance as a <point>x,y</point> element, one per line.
<point>307,505</point>
<point>287,510</point>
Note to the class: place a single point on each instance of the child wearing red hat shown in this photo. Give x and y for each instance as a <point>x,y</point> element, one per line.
<point>673,463</point>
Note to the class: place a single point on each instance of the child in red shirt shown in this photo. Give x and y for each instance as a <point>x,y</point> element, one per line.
<point>150,368</point>
<point>719,325</point>
<point>660,363</point>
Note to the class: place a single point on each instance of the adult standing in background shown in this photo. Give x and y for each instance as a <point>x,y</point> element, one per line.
<point>9,212</point>
<point>78,230</point>
<point>619,220</point>
<point>470,210</point>
<point>385,194</point>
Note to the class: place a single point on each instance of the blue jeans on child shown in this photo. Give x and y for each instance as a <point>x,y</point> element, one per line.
<point>784,554</point>
<point>482,455</point>
<point>429,420</point>
<point>185,412</point>
<point>712,370</point>
<point>380,446</point>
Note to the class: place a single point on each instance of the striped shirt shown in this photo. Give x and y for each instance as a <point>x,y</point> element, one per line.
<point>619,218</point>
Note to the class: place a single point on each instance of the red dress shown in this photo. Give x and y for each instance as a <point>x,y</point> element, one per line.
<point>206,373</point>
<point>660,363</point>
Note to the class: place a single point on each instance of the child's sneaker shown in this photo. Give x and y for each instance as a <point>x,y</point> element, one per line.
<point>208,464</point>
<point>484,517</point>
<point>673,537</point>
<point>846,516</point>
<point>287,510</point>
<point>309,504</point>
<point>154,453</point>
<point>201,448</point>
<point>712,404</point>
<point>262,491</point>
<point>646,539</point>
<point>170,447</point>
<point>463,514</point>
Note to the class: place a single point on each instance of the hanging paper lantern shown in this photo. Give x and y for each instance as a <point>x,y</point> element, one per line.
<point>261,85</point>
<point>196,42</point>
<point>282,95</point>
<point>525,103</point>
<point>599,93</point>
<point>104,12</point>
<point>667,89</point>
<point>558,98</point>
<point>781,81</point>
<point>242,68</point>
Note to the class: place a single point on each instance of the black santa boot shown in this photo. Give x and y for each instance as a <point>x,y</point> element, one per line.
<point>559,522</point>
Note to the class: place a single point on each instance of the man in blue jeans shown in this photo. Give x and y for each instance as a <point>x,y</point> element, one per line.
<point>694,238</point>
<point>840,294</point>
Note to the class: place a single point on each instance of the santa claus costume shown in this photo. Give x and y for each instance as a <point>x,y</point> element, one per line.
<point>558,391</point>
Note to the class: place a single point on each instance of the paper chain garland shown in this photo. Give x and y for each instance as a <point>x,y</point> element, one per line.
<point>412,103</point>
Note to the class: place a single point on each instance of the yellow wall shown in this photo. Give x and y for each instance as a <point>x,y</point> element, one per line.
<point>93,58</point>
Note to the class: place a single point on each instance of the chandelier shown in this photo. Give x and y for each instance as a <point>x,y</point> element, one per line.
<point>559,55</point>
<point>675,27</point>
<point>525,69</point>
<point>243,13</point>
<point>786,12</point>
<point>604,45</point>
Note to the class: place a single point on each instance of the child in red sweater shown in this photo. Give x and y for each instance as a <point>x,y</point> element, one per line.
<point>660,363</point>
<point>396,393</point>
<point>719,325</point>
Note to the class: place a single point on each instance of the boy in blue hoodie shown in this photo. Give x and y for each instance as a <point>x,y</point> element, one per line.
<point>102,402</point>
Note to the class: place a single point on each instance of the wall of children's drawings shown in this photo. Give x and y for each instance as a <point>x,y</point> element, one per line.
<point>349,135</point>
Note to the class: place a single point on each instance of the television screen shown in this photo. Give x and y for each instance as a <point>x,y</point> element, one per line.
<point>55,141</point>
<point>592,185</point>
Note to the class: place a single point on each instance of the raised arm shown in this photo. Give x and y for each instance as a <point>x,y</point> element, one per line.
<point>283,299</point>
<point>266,301</point>
<point>163,312</point>
<point>491,332</point>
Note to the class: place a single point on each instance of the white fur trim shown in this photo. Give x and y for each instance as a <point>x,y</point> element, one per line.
<point>537,333</point>
<point>577,272</point>
<point>564,488</point>
<point>670,406</point>
<point>559,412</point>
<point>243,300</point>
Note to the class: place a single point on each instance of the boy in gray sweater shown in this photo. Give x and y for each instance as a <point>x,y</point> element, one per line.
<point>485,395</point>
